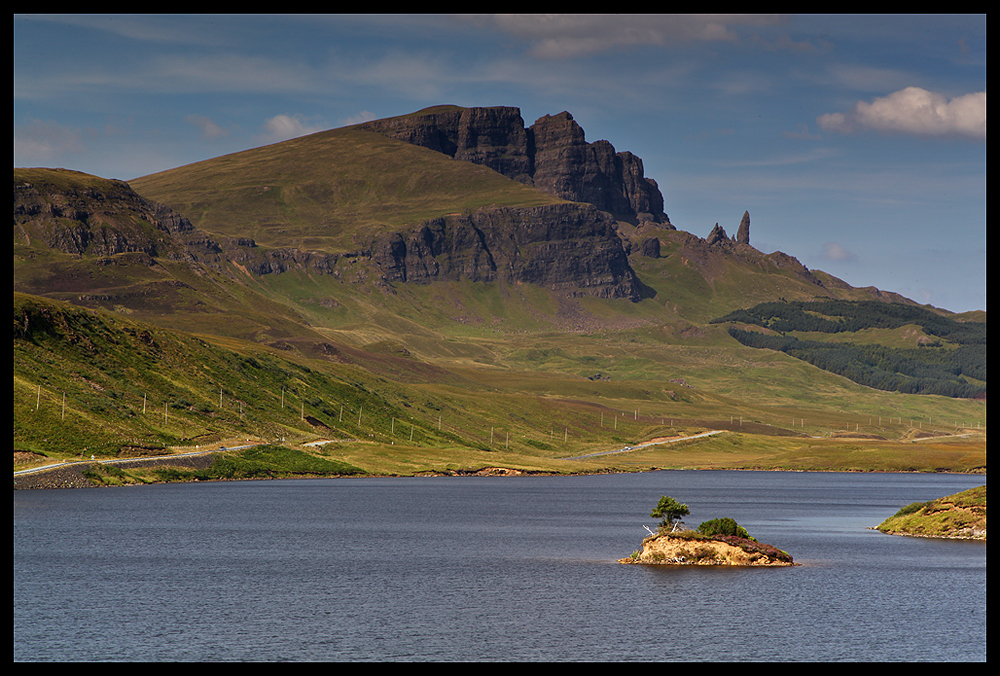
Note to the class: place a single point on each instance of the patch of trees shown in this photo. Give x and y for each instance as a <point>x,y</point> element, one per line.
<point>671,512</point>
<point>932,369</point>
<point>922,370</point>
<point>836,316</point>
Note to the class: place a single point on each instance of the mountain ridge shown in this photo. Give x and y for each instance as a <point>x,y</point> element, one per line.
<point>552,155</point>
<point>400,270</point>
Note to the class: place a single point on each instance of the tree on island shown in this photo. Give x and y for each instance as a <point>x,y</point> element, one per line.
<point>670,511</point>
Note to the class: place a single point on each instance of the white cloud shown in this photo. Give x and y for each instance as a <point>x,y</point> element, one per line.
<point>802,132</point>
<point>209,129</point>
<point>283,127</point>
<point>41,142</point>
<point>914,111</point>
<point>363,116</point>
<point>833,251</point>
<point>569,35</point>
<point>869,78</point>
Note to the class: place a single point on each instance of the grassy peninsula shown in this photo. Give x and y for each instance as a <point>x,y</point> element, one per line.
<point>959,516</point>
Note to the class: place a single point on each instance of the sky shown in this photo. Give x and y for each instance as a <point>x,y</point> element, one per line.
<point>856,142</point>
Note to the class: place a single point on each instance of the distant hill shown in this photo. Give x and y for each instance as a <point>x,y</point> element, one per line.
<point>451,248</point>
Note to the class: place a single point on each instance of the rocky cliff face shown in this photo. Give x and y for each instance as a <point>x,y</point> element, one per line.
<point>552,155</point>
<point>569,247</point>
<point>83,215</point>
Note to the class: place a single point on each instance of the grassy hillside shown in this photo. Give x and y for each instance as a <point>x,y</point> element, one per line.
<point>329,191</point>
<point>91,383</point>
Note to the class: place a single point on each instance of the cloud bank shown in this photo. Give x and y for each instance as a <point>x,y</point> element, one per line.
<point>557,36</point>
<point>914,111</point>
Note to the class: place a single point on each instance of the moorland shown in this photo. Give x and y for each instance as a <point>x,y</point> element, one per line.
<point>452,292</point>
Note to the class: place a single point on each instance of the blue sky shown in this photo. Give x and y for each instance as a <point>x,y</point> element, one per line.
<point>857,142</point>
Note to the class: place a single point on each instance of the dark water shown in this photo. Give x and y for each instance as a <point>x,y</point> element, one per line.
<point>484,569</point>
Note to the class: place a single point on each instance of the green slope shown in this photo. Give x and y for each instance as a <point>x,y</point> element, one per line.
<point>329,191</point>
<point>92,383</point>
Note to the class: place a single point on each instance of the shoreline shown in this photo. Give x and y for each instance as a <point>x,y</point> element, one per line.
<point>968,538</point>
<point>70,474</point>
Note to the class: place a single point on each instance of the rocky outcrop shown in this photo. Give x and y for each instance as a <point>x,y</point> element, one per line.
<point>552,155</point>
<point>743,234</point>
<point>717,235</point>
<point>80,214</point>
<point>569,247</point>
<point>650,247</point>
<point>682,550</point>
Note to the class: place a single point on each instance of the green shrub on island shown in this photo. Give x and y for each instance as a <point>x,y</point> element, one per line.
<point>724,526</point>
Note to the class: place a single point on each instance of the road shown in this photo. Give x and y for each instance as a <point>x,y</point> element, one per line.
<point>628,449</point>
<point>46,468</point>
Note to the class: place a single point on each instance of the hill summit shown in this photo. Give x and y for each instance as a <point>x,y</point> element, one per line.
<point>551,155</point>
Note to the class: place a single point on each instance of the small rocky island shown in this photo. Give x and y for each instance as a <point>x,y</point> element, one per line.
<point>719,542</point>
